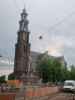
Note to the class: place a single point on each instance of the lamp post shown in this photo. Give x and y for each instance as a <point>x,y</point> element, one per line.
<point>0,55</point>
<point>7,62</point>
<point>0,72</point>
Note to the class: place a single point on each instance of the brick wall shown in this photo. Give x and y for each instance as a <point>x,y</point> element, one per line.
<point>7,96</point>
<point>37,93</point>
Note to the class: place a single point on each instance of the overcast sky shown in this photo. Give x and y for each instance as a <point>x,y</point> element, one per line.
<point>53,19</point>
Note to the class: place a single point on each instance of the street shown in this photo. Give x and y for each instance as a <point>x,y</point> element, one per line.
<point>60,96</point>
<point>63,96</point>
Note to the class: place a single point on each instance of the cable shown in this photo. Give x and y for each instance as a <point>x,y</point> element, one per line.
<point>61,21</point>
<point>53,26</point>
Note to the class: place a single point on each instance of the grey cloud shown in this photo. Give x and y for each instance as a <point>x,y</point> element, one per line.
<point>43,14</point>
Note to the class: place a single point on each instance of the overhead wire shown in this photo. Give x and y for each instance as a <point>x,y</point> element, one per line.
<point>61,21</point>
<point>51,27</point>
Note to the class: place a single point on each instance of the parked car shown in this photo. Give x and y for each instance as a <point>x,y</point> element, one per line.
<point>69,86</point>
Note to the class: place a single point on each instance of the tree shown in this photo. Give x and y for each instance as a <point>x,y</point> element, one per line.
<point>72,72</point>
<point>57,70</point>
<point>11,77</point>
<point>2,79</point>
<point>51,69</point>
<point>43,68</point>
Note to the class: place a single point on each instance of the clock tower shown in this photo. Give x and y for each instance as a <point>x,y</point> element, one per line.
<point>22,48</point>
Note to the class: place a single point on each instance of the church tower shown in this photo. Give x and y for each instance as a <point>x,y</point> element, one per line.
<point>22,47</point>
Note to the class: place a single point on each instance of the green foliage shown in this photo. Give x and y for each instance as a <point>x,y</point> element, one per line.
<point>72,72</point>
<point>2,79</point>
<point>51,69</point>
<point>44,70</point>
<point>11,77</point>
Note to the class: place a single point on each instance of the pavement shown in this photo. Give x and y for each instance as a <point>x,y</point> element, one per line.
<point>63,96</point>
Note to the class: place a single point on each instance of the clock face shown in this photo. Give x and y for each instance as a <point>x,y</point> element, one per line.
<point>23,36</point>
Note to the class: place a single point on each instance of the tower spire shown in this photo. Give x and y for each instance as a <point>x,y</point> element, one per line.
<point>24,6</point>
<point>24,22</point>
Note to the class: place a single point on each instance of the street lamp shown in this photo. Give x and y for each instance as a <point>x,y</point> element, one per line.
<point>7,62</point>
<point>0,55</point>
